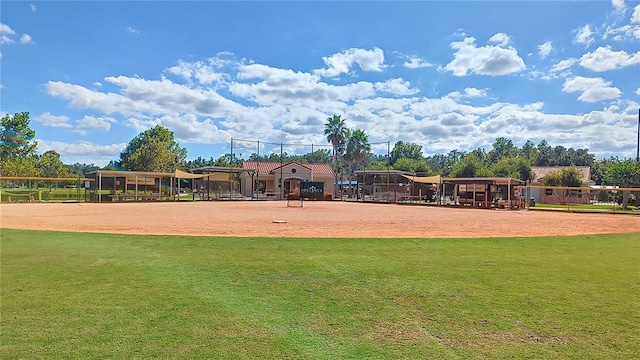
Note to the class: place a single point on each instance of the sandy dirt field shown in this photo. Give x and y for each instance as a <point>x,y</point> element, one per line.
<point>315,219</point>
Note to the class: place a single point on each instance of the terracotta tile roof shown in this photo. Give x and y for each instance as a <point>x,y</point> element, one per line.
<point>322,170</point>
<point>541,171</point>
<point>306,166</point>
<point>271,167</point>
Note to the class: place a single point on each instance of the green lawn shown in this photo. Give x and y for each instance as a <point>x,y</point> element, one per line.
<point>45,194</point>
<point>589,208</point>
<point>66,295</point>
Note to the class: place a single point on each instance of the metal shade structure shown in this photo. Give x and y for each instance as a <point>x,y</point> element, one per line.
<point>485,192</point>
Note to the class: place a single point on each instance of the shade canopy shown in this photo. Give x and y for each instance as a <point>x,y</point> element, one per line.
<point>437,179</point>
<point>185,175</point>
<point>216,176</point>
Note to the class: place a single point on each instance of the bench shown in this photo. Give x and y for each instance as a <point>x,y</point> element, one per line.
<point>148,197</point>
<point>134,197</point>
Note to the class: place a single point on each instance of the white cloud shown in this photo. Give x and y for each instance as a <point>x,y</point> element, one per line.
<point>83,152</point>
<point>638,91</point>
<point>604,59</point>
<point>545,49</point>
<point>97,84</point>
<point>287,87</point>
<point>92,122</point>
<point>635,18</point>
<point>415,62</point>
<point>25,38</point>
<point>592,89</point>
<point>279,104</point>
<point>47,119</point>
<point>188,128</point>
<point>563,65</point>
<point>618,5</point>
<point>6,30</point>
<point>132,31</point>
<point>468,93</point>
<point>341,63</point>
<point>7,34</point>
<point>144,96</point>
<point>622,33</point>
<point>485,60</point>
<point>81,97</point>
<point>4,40</point>
<point>33,7</point>
<point>396,86</point>
<point>501,39</point>
<point>473,92</point>
<point>459,33</point>
<point>204,73</point>
<point>584,36</point>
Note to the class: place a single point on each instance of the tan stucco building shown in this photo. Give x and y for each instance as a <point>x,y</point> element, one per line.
<point>266,177</point>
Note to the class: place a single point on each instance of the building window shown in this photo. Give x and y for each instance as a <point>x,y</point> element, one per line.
<point>261,186</point>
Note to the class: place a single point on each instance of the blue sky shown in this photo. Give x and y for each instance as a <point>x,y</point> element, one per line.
<point>444,74</point>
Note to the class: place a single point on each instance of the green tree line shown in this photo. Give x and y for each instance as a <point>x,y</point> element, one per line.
<point>156,149</point>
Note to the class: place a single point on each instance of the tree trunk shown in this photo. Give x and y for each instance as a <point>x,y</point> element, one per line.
<point>625,200</point>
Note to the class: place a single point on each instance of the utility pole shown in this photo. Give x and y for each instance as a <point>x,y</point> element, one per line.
<point>638,146</point>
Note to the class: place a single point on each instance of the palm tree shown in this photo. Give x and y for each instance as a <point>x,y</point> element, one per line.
<point>335,129</point>
<point>357,149</point>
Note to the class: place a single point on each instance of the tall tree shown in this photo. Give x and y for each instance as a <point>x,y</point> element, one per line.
<point>376,165</point>
<point>545,154</point>
<point>199,162</point>
<point>624,173</point>
<point>582,157</point>
<point>470,166</point>
<point>51,166</point>
<point>19,166</point>
<point>153,150</point>
<point>357,147</point>
<point>517,168</point>
<point>336,131</point>
<point>113,165</point>
<point>403,150</point>
<point>81,169</point>
<point>437,162</point>
<point>567,176</point>
<point>529,151</point>
<point>16,137</point>
<point>501,148</point>
<point>599,170</point>
<point>357,150</point>
<point>321,156</point>
<point>413,166</point>
<point>223,161</point>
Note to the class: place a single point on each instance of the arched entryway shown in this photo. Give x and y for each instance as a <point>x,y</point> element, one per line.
<point>292,184</point>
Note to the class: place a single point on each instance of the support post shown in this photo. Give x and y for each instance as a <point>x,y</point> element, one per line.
<point>509,193</point>
<point>388,167</point>
<point>257,183</point>
<point>230,164</point>
<point>100,187</point>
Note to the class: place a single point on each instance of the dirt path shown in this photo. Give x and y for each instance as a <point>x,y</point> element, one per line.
<point>315,219</point>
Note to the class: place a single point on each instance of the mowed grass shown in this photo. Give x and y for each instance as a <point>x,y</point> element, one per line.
<point>70,295</point>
